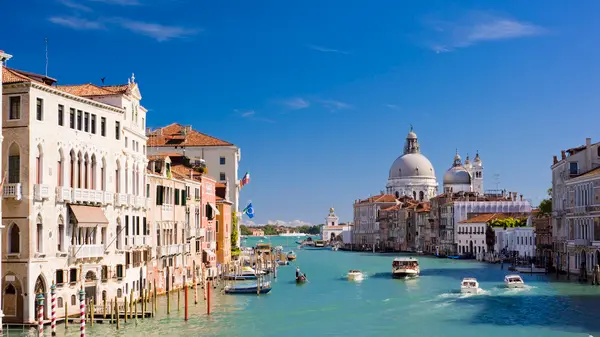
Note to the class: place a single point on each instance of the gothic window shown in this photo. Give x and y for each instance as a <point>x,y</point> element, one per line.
<point>14,241</point>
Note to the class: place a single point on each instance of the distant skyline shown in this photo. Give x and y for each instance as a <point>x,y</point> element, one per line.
<point>319,95</point>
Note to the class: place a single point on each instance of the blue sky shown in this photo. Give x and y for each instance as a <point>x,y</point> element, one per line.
<point>320,95</point>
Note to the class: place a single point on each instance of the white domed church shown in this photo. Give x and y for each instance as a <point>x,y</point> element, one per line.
<point>412,173</point>
<point>467,177</point>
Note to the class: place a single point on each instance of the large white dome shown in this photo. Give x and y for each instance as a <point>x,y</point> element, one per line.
<point>412,165</point>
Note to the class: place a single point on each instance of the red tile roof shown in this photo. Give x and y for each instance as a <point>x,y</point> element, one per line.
<point>379,198</point>
<point>86,90</point>
<point>485,218</point>
<point>176,135</point>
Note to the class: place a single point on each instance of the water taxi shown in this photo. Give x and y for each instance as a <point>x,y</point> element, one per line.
<point>405,267</point>
<point>355,275</point>
<point>469,285</point>
<point>514,281</point>
<point>319,244</point>
<point>291,256</point>
<point>254,288</point>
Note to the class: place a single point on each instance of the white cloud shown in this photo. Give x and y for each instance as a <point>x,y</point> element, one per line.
<point>252,115</point>
<point>119,2</point>
<point>392,106</point>
<point>335,105</point>
<point>327,50</point>
<point>76,23</point>
<point>248,113</point>
<point>479,27</point>
<point>75,5</point>
<point>293,223</point>
<point>157,31</point>
<point>249,223</point>
<point>296,103</point>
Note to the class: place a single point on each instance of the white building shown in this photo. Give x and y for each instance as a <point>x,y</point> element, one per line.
<point>519,240</point>
<point>332,228</point>
<point>470,235</point>
<point>575,207</point>
<point>221,157</point>
<point>74,197</point>
<point>464,178</point>
<point>412,174</point>
<point>3,58</point>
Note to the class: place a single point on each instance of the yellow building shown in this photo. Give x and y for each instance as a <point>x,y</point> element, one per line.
<point>223,225</point>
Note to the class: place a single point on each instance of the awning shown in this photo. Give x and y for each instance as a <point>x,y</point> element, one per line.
<point>209,252</point>
<point>215,209</point>
<point>88,216</point>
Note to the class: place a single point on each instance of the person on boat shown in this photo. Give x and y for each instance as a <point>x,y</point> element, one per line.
<point>297,271</point>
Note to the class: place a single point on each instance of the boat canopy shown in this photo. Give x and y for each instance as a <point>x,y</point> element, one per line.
<point>400,259</point>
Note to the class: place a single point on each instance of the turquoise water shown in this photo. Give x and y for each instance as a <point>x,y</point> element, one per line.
<point>380,306</point>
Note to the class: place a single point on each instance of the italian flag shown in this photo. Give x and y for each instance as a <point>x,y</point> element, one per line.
<point>245,179</point>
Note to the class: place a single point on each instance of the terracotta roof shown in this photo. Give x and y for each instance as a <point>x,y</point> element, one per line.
<point>591,173</point>
<point>222,185</point>
<point>393,208</point>
<point>117,89</point>
<point>174,135</point>
<point>218,198</point>
<point>85,90</point>
<point>379,198</point>
<point>184,171</point>
<point>485,218</point>
<point>423,207</point>
<point>12,76</point>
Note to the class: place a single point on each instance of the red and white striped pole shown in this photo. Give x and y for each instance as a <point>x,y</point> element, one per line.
<point>82,312</point>
<point>53,304</point>
<point>40,301</point>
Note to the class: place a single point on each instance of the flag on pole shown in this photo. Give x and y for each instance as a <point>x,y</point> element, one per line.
<point>249,211</point>
<point>245,179</point>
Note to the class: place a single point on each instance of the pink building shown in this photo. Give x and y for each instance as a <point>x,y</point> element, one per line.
<point>207,222</point>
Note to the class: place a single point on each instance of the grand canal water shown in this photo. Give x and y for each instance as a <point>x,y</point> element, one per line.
<point>379,306</point>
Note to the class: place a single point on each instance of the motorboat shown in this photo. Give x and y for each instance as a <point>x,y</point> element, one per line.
<point>355,275</point>
<point>469,285</point>
<point>247,273</point>
<point>514,281</point>
<point>301,278</point>
<point>283,263</point>
<point>291,256</point>
<point>403,267</point>
<point>252,288</point>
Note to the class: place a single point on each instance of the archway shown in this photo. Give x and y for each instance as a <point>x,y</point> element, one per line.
<point>90,285</point>
<point>471,247</point>
<point>332,238</point>
<point>40,288</point>
<point>12,300</point>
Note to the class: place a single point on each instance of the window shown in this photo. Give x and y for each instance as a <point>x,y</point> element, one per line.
<point>94,124</point>
<point>61,234</point>
<point>222,176</point>
<point>147,190</point>
<point>86,122</point>
<point>126,141</point>
<point>61,115</point>
<point>176,196</point>
<point>14,169</point>
<point>104,274</point>
<point>183,197</point>
<point>73,300</point>
<point>222,160</point>
<point>159,195</point>
<point>117,130</point>
<point>73,275</point>
<point>14,241</point>
<point>79,121</point>
<point>14,111</point>
<point>573,168</point>
<point>103,126</point>
<point>119,271</point>
<point>217,226</point>
<point>72,118</point>
<point>144,149</point>
<point>60,277</point>
<point>59,302</point>
<point>39,109</point>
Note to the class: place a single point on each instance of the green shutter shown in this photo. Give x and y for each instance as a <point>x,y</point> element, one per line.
<point>183,197</point>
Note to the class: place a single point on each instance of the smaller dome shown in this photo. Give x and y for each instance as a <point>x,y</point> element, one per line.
<point>457,175</point>
<point>468,164</point>
<point>411,135</point>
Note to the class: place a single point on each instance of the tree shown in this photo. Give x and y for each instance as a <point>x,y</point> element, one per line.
<point>270,230</point>
<point>245,231</point>
<point>545,208</point>
<point>490,238</point>
<point>234,230</point>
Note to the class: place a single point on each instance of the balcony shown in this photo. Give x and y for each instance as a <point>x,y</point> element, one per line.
<point>148,202</point>
<point>85,195</point>
<point>200,232</point>
<point>167,208</point>
<point>212,245</point>
<point>169,250</point>
<point>134,241</point>
<point>64,194</point>
<point>120,199</point>
<point>13,191</point>
<point>131,200</point>
<point>41,192</point>
<point>87,251</point>
<point>579,242</point>
<point>109,198</point>
<point>140,202</point>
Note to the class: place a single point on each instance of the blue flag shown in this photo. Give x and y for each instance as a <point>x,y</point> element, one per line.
<point>249,211</point>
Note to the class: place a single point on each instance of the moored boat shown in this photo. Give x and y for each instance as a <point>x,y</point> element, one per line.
<point>283,263</point>
<point>300,279</point>
<point>514,281</point>
<point>355,275</point>
<point>248,288</point>
<point>469,285</point>
<point>291,256</point>
<point>405,267</point>
<point>247,274</point>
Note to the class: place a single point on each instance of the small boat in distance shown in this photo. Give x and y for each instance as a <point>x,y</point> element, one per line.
<point>403,267</point>
<point>247,274</point>
<point>252,288</point>
<point>355,275</point>
<point>514,281</point>
<point>469,285</point>
<point>319,244</point>
<point>283,263</point>
<point>291,256</point>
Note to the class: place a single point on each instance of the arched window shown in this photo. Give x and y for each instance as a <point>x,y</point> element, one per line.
<point>60,301</point>
<point>73,300</point>
<point>421,195</point>
<point>86,171</point>
<point>39,237</point>
<point>415,195</point>
<point>39,167</point>
<point>117,178</point>
<point>126,178</point>
<point>103,175</point>
<point>79,169</point>
<point>14,164</point>
<point>14,239</point>
<point>60,168</point>
<point>72,169</point>
<point>94,173</point>
<point>119,230</point>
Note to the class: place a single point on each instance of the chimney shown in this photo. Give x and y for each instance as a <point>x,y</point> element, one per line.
<point>588,142</point>
<point>188,129</point>
<point>148,131</point>
<point>521,197</point>
<point>563,155</point>
<point>555,160</point>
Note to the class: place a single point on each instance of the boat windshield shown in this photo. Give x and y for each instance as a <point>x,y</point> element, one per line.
<point>514,279</point>
<point>405,264</point>
<point>469,284</point>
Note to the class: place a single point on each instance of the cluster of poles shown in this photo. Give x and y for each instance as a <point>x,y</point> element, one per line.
<point>126,308</point>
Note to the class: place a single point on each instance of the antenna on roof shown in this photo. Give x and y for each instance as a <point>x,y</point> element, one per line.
<point>497,180</point>
<point>46,42</point>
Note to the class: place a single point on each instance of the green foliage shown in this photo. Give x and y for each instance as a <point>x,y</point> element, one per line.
<point>490,238</point>
<point>545,208</point>
<point>245,231</point>
<point>508,223</point>
<point>234,230</point>
<point>270,230</point>
<point>313,230</point>
<point>235,251</point>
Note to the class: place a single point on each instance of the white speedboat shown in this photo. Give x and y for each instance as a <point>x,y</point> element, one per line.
<point>355,275</point>
<point>514,281</point>
<point>469,285</point>
<point>403,267</point>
